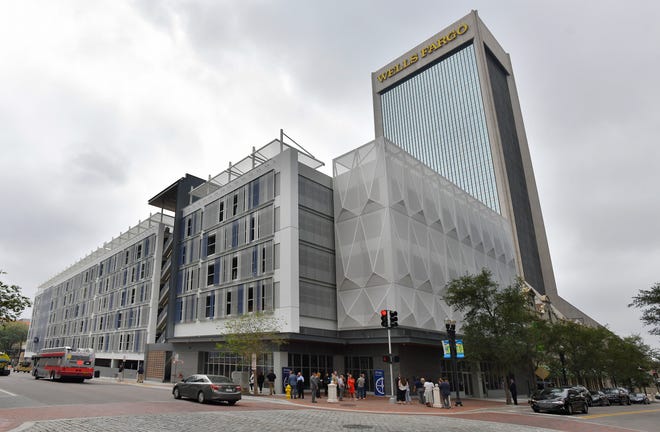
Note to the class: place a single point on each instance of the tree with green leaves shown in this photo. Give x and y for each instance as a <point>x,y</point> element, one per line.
<point>12,334</point>
<point>252,335</point>
<point>12,302</point>
<point>499,326</point>
<point>582,350</point>
<point>649,302</point>
<point>629,360</point>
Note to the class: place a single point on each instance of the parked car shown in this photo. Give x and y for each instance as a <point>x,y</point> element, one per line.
<point>564,400</point>
<point>206,388</point>
<point>639,398</point>
<point>617,395</point>
<point>24,366</point>
<point>599,398</point>
<point>584,392</point>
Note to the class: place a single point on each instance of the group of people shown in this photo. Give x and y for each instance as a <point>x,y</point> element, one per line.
<point>347,385</point>
<point>424,390</point>
<point>262,379</point>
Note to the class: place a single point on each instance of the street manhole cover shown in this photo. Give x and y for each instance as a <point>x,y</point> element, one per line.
<point>357,426</point>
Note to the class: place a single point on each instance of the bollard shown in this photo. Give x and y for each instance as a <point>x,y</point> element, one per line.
<point>332,393</point>
<point>437,401</point>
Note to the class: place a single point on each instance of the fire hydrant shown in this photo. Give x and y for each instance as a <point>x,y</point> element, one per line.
<point>288,391</point>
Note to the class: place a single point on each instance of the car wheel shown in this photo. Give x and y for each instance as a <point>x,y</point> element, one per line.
<point>36,374</point>
<point>200,397</point>
<point>536,409</point>
<point>231,403</point>
<point>176,393</point>
<point>569,409</point>
<point>607,403</point>
<point>585,409</point>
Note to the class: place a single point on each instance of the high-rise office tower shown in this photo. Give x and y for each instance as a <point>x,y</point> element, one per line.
<point>451,102</point>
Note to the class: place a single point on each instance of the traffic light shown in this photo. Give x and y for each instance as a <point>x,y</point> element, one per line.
<point>394,320</point>
<point>383,318</point>
<point>387,359</point>
<point>395,359</point>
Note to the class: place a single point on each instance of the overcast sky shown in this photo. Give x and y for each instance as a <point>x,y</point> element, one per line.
<point>103,104</point>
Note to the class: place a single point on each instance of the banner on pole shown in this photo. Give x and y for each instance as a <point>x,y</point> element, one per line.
<point>379,382</point>
<point>460,351</point>
<point>446,348</point>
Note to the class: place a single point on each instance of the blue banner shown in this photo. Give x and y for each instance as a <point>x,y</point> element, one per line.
<point>379,382</point>
<point>285,378</point>
<point>460,351</point>
<point>446,348</point>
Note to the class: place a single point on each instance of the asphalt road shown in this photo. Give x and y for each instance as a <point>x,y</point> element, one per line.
<point>104,405</point>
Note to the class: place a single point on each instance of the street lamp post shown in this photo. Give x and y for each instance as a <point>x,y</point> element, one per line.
<point>563,363</point>
<point>451,333</point>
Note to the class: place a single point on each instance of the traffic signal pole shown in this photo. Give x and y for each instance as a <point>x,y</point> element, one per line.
<point>389,350</point>
<point>389,319</point>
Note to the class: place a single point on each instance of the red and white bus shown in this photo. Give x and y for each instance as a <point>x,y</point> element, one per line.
<point>64,362</point>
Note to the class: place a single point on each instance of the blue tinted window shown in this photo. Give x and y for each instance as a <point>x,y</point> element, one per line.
<point>438,117</point>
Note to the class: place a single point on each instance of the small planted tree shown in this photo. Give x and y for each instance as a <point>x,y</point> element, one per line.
<point>252,335</point>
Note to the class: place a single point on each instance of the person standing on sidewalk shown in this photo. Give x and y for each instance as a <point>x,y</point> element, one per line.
<point>300,385</point>
<point>428,393</point>
<point>314,385</point>
<point>361,387</point>
<point>420,390</point>
<point>350,382</point>
<point>514,391</point>
<point>341,386</point>
<point>445,391</point>
<point>140,374</point>
<point>120,372</point>
<point>271,382</point>
<point>260,381</point>
<point>293,383</point>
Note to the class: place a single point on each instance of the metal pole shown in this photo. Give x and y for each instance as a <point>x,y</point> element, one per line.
<point>562,358</point>
<point>454,360</point>
<point>389,350</point>
<point>450,325</point>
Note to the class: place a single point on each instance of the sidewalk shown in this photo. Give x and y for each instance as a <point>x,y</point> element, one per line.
<point>374,404</point>
<point>382,405</point>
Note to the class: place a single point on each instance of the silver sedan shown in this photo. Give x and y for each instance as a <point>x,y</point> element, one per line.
<point>206,388</point>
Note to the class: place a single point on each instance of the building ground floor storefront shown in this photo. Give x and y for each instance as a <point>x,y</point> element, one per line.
<point>356,353</point>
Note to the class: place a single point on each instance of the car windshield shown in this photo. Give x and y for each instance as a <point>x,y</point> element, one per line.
<point>552,393</point>
<point>219,379</point>
<point>638,394</point>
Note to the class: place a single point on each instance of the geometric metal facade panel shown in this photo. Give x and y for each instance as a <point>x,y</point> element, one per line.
<point>402,233</point>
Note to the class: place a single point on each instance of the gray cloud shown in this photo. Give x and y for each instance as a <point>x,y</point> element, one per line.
<point>102,107</point>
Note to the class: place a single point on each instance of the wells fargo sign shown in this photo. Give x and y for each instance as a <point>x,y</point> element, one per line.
<point>425,51</point>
